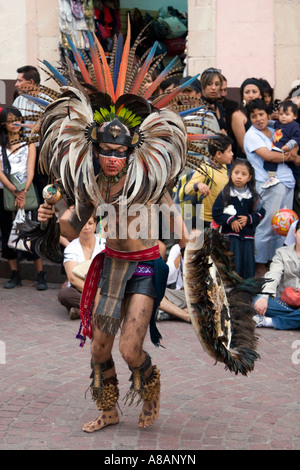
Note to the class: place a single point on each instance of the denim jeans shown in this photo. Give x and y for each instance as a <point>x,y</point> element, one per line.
<point>283,316</point>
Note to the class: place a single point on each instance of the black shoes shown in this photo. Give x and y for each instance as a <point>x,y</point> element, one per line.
<point>41,281</point>
<point>14,281</point>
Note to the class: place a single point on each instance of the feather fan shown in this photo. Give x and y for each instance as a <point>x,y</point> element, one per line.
<point>220,302</point>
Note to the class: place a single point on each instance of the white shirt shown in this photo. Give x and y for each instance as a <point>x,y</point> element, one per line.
<point>175,274</point>
<point>18,162</point>
<point>74,252</point>
<point>255,139</point>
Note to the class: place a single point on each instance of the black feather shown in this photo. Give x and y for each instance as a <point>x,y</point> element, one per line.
<point>45,241</point>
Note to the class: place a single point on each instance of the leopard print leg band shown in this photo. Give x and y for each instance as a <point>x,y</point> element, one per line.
<point>146,388</point>
<point>105,391</point>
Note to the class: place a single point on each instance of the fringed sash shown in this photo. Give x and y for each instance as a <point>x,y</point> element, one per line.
<point>120,272</point>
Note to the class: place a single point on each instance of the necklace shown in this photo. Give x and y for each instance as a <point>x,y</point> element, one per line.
<point>112,179</point>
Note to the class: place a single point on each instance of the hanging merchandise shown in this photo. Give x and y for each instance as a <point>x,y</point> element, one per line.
<point>77,9</point>
<point>107,24</point>
<point>175,46</point>
<point>170,21</point>
<point>65,17</point>
<point>88,8</point>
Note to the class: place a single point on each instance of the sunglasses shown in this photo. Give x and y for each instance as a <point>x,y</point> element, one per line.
<point>212,70</point>
<point>10,122</point>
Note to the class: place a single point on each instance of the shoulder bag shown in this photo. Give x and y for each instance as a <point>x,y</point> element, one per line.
<point>31,201</point>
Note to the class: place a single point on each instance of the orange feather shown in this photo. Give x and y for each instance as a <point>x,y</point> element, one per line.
<point>124,63</point>
<point>107,75</point>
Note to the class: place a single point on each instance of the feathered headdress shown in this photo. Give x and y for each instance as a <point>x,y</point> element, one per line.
<point>74,118</point>
<point>72,122</point>
<point>103,91</point>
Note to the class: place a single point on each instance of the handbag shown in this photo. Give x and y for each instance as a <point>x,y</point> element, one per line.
<point>291,296</point>
<point>13,241</point>
<point>81,269</point>
<point>19,182</point>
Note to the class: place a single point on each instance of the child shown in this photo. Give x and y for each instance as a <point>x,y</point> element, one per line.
<point>210,186</point>
<point>235,209</point>
<point>285,137</point>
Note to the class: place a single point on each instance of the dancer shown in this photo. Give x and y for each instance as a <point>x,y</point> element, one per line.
<point>137,152</point>
<point>106,146</point>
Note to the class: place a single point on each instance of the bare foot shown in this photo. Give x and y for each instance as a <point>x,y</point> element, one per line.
<point>149,412</point>
<point>105,419</point>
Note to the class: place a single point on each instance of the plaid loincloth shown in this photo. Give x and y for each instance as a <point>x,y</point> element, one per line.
<point>117,268</point>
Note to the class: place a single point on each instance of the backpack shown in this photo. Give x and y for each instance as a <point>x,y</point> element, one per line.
<point>183,199</point>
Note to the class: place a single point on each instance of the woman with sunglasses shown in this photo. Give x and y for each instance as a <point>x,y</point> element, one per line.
<point>211,82</point>
<point>15,158</point>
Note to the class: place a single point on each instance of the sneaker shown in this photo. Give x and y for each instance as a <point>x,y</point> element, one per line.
<point>74,313</point>
<point>263,321</point>
<point>14,281</point>
<point>272,181</point>
<point>161,316</point>
<point>41,281</point>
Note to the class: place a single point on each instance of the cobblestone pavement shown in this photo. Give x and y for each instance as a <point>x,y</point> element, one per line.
<point>45,375</point>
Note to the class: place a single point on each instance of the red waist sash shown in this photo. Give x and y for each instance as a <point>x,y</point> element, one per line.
<point>147,254</point>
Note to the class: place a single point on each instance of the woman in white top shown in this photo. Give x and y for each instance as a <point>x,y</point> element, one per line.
<point>15,159</point>
<point>83,248</point>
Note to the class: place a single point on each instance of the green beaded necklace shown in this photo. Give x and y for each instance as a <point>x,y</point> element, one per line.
<point>112,179</point>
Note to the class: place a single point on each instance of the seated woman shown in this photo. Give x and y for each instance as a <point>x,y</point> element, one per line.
<point>283,272</point>
<point>83,248</point>
<point>173,305</point>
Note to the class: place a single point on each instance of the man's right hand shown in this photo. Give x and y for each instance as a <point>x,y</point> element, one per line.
<point>45,212</point>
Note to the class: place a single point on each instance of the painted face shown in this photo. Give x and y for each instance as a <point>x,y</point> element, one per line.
<point>240,176</point>
<point>259,119</point>
<point>212,90</point>
<point>286,117</point>
<point>112,158</point>
<point>251,92</point>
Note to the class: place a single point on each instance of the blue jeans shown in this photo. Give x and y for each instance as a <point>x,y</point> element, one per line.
<point>283,316</point>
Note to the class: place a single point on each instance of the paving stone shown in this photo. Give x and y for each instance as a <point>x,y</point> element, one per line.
<point>44,380</point>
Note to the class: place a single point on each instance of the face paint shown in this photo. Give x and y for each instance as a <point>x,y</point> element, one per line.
<point>113,153</point>
<point>112,165</point>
